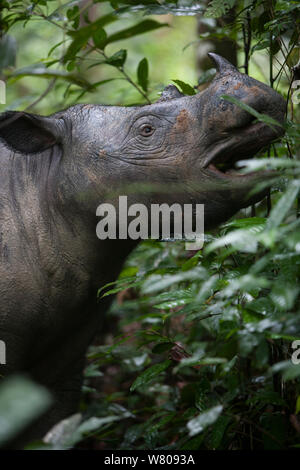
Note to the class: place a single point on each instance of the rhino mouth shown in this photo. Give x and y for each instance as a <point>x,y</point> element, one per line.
<point>243,143</point>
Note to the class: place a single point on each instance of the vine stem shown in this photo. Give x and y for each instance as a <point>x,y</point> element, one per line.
<point>123,72</point>
<point>247,38</point>
<point>43,95</point>
<point>134,84</point>
<point>271,63</point>
<point>271,78</point>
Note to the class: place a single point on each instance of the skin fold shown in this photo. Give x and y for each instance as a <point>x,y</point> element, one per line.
<point>56,170</point>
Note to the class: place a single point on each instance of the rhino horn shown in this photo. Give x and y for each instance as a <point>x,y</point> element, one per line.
<point>222,65</point>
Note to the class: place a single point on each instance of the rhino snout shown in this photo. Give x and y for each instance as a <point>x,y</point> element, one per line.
<point>234,131</point>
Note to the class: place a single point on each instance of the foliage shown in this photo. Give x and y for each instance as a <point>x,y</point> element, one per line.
<point>21,401</point>
<point>217,8</point>
<point>197,351</point>
<point>206,340</point>
<point>78,53</point>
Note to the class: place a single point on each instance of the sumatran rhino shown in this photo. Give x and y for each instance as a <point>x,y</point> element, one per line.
<point>56,170</point>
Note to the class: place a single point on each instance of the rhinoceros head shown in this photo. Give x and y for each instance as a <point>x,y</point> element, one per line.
<point>180,149</point>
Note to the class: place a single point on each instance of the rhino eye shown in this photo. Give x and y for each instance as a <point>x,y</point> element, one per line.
<point>146,130</point>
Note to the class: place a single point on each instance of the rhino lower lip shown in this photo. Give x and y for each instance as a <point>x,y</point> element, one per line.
<point>229,173</point>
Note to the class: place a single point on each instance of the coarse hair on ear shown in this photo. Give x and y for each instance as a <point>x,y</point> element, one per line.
<point>29,133</point>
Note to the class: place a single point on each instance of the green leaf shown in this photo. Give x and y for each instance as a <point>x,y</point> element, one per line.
<point>256,164</point>
<point>92,370</point>
<point>142,74</point>
<point>129,271</point>
<point>162,347</point>
<point>284,295</point>
<point>261,117</point>
<point>288,370</point>
<point>206,289</point>
<point>161,422</point>
<point>276,426</point>
<point>247,223</point>
<point>192,262</point>
<point>117,59</point>
<point>268,397</point>
<point>156,283</point>
<point>149,374</point>
<point>263,306</point>
<point>60,435</point>
<point>82,35</point>
<point>90,426</point>
<point>140,28</point>
<point>198,424</point>
<point>120,284</point>
<point>21,401</point>
<point>208,361</point>
<point>281,209</point>
<point>69,431</point>
<point>8,49</point>
<point>157,7</point>
<point>297,410</point>
<point>185,87</point>
<point>218,431</point>
<point>174,301</point>
<point>39,70</point>
<point>291,372</point>
<point>218,8</point>
<point>243,240</point>
<point>99,38</point>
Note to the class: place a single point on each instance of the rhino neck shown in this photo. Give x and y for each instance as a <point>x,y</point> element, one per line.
<point>76,197</point>
<point>52,217</point>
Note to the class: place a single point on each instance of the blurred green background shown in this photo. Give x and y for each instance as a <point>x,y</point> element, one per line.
<point>165,49</point>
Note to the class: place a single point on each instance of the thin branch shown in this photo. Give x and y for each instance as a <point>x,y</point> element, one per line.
<point>262,430</point>
<point>122,71</point>
<point>247,35</point>
<point>284,63</point>
<point>43,95</point>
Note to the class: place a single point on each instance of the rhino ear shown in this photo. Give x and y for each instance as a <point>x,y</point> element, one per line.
<point>170,92</point>
<point>29,133</point>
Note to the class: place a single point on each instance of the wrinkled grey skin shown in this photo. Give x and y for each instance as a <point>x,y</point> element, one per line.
<point>54,173</point>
